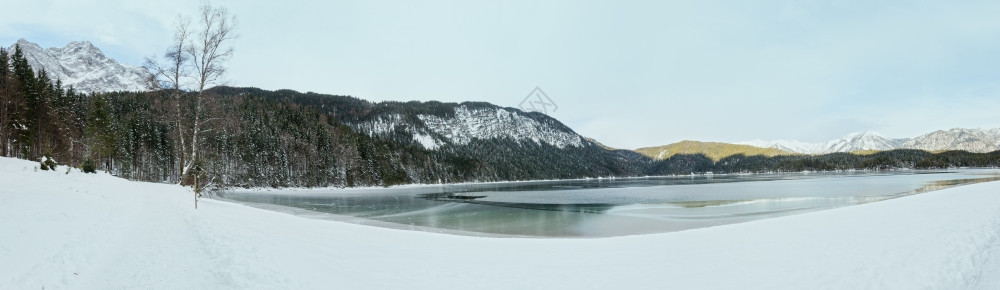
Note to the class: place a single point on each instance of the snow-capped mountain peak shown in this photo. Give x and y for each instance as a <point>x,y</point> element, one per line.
<point>79,47</point>
<point>972,140</point>
<point>862,141</point>
<point>82,65</point>
<point>852,142</point>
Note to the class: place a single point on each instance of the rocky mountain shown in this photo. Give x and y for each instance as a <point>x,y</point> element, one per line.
<point>82,65</point>
<point>460,124</point>
<point>862,141</point>
<point>972,140</point>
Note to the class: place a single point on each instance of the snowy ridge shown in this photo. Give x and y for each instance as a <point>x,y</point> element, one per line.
<point>862,141</point>
<point>82,65</point>
<point>972,140</point>
<point>852,142</point>
<point>497,123</point>
<point>467,124</point>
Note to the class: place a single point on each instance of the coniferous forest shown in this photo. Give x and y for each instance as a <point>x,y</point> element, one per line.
<point>250,137</point>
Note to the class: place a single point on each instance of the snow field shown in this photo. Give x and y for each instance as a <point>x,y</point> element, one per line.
<point>87,231</point>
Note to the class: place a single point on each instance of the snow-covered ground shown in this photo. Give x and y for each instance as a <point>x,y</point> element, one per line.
<point>86,231</point>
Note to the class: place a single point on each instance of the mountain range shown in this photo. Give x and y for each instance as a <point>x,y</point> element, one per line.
<point>359,142</point>
<point>84,67</point>
<point>862,141</point>
<point>971,140</point>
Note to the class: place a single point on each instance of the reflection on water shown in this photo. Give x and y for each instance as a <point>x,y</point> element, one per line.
<point>704,203</point>
<point>942,184</point>
<point>561,207</point>
<point>610,207</point>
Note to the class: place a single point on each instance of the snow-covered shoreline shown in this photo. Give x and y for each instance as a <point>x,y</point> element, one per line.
<point>85,231</point>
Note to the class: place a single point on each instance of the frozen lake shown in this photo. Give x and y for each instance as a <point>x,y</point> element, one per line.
<point>604,207</point>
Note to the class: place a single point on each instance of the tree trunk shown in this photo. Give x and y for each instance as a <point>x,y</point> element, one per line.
<point>180,134</point>
<point>196,191</point>
<point>194,135</point>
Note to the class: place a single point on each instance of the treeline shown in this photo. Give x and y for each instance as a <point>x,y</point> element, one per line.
<point>39,117</point>
<point>884,160</point>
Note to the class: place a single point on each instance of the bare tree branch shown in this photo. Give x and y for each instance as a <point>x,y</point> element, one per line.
<point>175,68</point>
<point>209,51</point>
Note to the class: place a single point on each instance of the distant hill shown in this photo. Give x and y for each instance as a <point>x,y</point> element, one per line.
<point>713,150</point>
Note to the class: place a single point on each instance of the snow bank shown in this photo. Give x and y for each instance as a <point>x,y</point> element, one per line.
<point>77,231</point>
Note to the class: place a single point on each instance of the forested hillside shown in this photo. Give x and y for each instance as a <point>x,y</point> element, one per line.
<point>714,150</point>
<point>250,137</point>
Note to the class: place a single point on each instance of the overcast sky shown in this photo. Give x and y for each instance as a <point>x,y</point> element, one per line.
<point>627,73</point>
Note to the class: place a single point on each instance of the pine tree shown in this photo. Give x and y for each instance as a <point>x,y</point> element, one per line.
<point>6,103</point>
<point>24,97</point>
<point>22,70</point>
<point>42,114</point>
<point>99,133</point>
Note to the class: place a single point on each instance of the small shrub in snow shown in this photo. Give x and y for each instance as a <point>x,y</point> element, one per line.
<point>89,166</point>
<point>50,163</point>
<point>47,163</point>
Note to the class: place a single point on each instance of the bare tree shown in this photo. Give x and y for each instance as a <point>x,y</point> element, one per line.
<point>205,50</point>
<point>171,73</point>
<point>209,51</point>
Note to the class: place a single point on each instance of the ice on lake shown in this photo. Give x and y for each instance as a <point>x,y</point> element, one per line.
<point>605,207</point>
